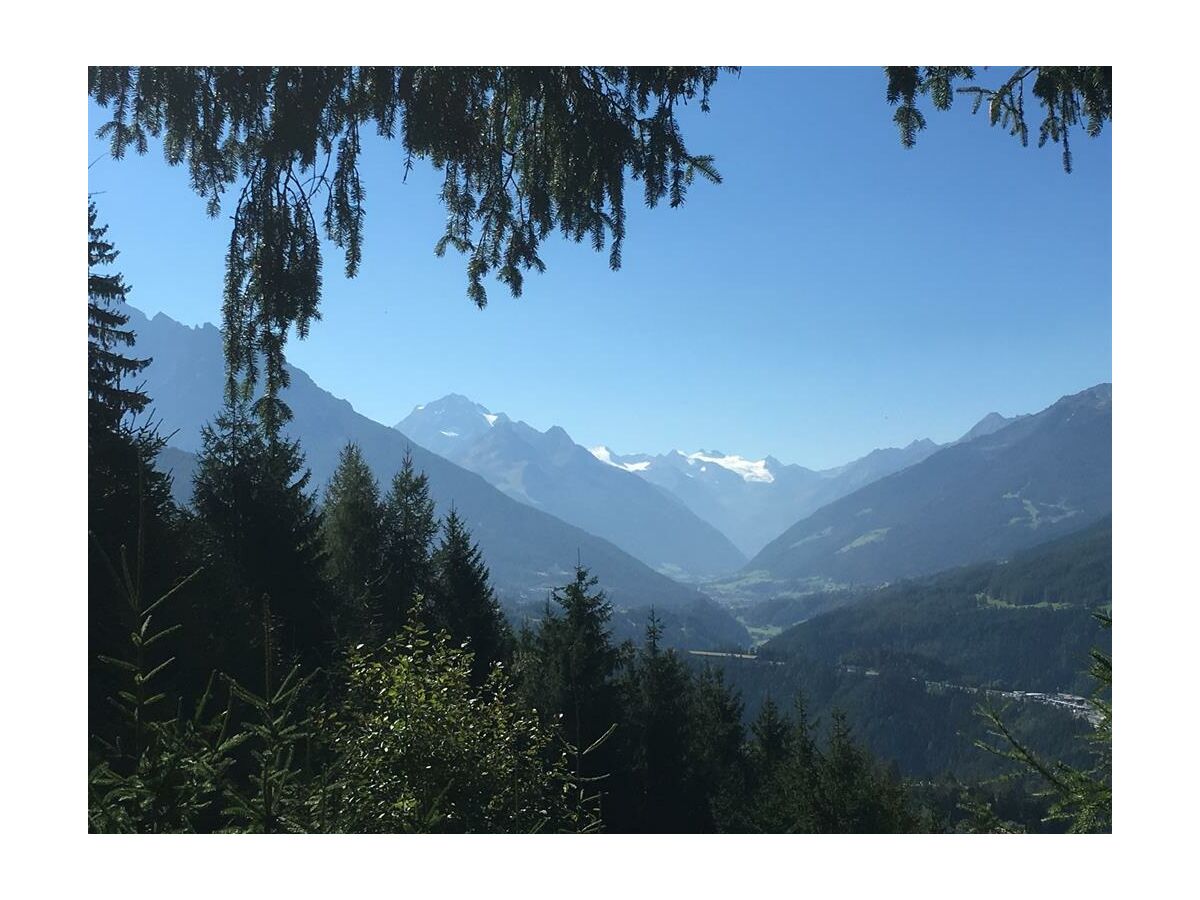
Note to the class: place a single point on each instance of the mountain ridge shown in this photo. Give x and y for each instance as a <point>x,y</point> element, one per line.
<point>549,471</point>
<point>1036,477</point>
<point>527,550</point>
<point>753,501</point>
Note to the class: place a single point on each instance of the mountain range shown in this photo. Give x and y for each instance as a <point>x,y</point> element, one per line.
<point>752,501</point>
<point>692,515</point>
<point>1009,486</point>
<point>537,502</point>
<point>527,550</point>
<point>549,471</point>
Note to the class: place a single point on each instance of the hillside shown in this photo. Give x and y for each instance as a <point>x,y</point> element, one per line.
<point>909,663</point>
<point>1023,624</point>
<point>1034,479</point>
<point>528,551</point>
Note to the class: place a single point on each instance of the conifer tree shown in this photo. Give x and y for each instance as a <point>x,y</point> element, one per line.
<point>568,670</point>
<point>353,534</point>
<point>260,520</point>
<point>774,800</point>
<point>654,738</point>
<point>129,501</point>
<point>715,735</point>
<point>151,772</point>
<point>797,786</point>
<point>804,764</point>
<point>462,601</point>
<point>276,799</point>
<point>1069,96</point>
<point>858,794</point>
<point>110,399</point>
<point>1081,797</point>
<point>772,736</point>
<point>121,450</point>
<point>846,787</point>
<point>410,529</point>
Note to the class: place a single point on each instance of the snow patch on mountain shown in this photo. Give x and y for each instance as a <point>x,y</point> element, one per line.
<point>603,454</point>
<point>748,469</point>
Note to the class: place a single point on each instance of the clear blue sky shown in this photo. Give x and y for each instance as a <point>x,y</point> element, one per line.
<point>837,293</point>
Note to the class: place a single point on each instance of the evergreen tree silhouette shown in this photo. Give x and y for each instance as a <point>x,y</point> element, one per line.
<point>353,535</point>
<point>462,602</point>
<point>410,528</point>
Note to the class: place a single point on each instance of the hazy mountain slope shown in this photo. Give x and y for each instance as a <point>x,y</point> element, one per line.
<point>752,501</point>
<point>551,472</point>
<point>527,550</point>
<point>181,466</point>
<point>1024,624</point>
<point>1036,478</point>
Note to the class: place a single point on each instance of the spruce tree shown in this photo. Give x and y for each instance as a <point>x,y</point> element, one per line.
<point>772,737</point>
<point>845,783</point>
<point>856,794</point>
<point>121,449</point>
<point>769,804</point>
<point>410,529</point>
<point>462,601</point>
<point>261,524</point>
<point>110,399</point>
<point>353,535</point>
<point>129,501</point>
<point>278,797</point>
<point>797,786</point>
<point>155,773</point>
<point>568,669</point>
<point>654,740</point>
<point>1070,96</point>
<point>715,735</point>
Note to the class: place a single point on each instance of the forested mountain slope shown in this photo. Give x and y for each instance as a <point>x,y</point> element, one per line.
<point>910,663</point>
<point>1036,478</point>
<point>528,551</point>
<point>1024,624</point>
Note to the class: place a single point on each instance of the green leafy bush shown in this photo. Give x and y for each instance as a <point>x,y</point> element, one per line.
<point>417,747</point>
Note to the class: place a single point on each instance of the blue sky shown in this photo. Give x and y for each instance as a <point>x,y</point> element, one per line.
<point>835,294</point>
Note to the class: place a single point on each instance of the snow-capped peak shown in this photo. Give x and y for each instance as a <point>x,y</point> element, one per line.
<point>748,469</point>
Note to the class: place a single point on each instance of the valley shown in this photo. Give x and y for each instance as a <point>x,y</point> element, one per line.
<point>970,568</point>
<point>636,520</point>
<point>680,450</point>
